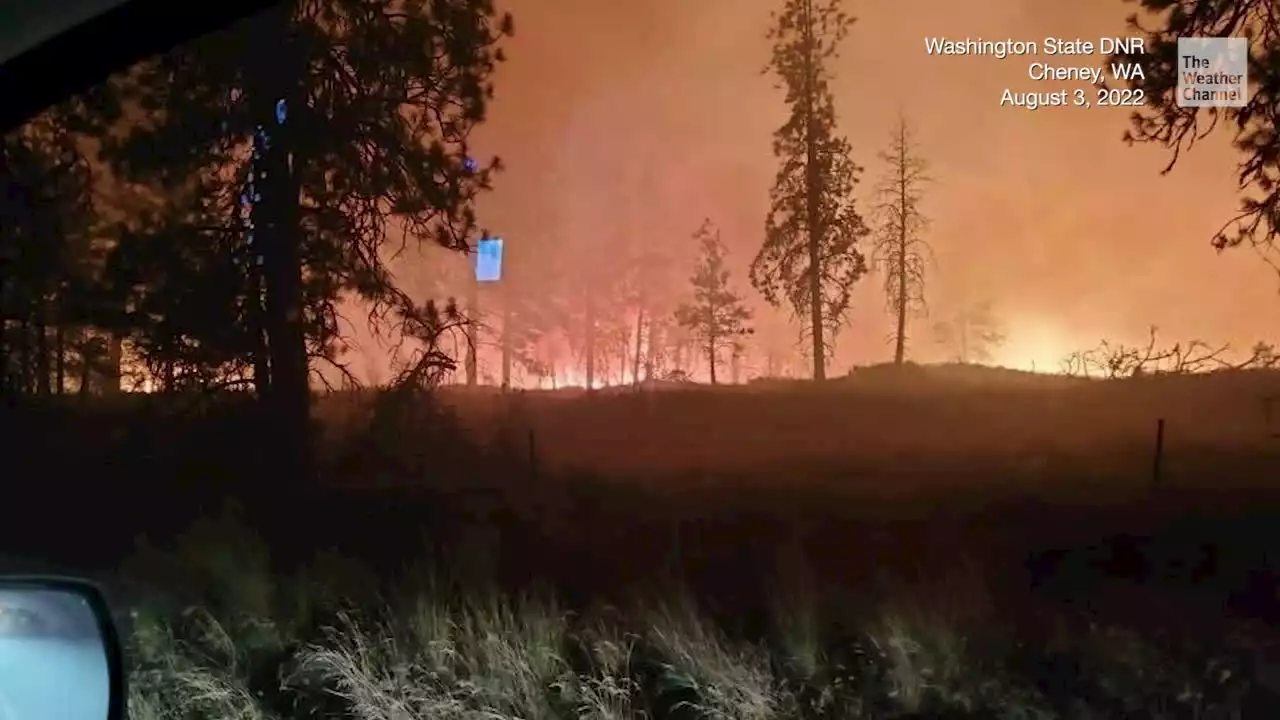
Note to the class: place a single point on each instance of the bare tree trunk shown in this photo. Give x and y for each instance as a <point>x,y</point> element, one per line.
<point>473,332</point>
<point>507,340</point>
<point>59,359</point>
<point>813,197</point>
<point>900,347</point>
<point>623,361</point>
<point>635,360</point>
<point>274,87</point>
<point>650,359</point>
<point>711,340</point>
<point>26,376</point>
<point>115,359</point>
<point>44,369</point>
<point>900,344</point>
<point>86,374</point>
<point>257,326</point>
<point>589,340</point>
<point>711,358</point>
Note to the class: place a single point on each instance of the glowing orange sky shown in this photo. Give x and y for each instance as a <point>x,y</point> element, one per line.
<point>1071,234</point>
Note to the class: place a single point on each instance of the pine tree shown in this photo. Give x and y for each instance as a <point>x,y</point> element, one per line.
<point>900,250</point>
<point>810,257</point>
<point>1256,126</point>
<point>309,132</point>
<point>974,333</point>
<point>46,221</point>
<point>716,317</point>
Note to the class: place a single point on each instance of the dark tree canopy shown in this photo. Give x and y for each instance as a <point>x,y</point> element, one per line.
<point>384,99</point>
<point>810,258</point>
<point>1254,126</point>
<point>47,254</point>
<point>248,182</point>
<point>257,177</point>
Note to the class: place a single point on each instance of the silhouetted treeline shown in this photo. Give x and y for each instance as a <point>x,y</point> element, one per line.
<point>57,323</point>
<point>198,217</point>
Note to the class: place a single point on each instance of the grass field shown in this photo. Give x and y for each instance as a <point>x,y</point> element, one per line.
<point>890,430</point>
<point>930,540</point>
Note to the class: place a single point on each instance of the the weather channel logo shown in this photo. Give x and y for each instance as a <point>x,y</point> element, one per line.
<point>1213,72</point>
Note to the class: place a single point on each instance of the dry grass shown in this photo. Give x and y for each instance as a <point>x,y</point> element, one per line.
<point>488,655</point>
<point>919,424</point>
<point>800,596</point>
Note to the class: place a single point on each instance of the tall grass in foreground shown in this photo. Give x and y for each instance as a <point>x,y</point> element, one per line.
<point>214,635</point>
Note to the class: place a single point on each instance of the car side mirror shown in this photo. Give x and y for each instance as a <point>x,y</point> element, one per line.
<point>60,655</point>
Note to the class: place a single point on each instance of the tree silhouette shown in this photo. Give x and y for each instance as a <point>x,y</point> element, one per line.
<point>309,134</point>
<point>184,301</point>
<point>973,334</point>
<point>810,257</point>
<point>46,253</point>
<point>778,346</point>
<point>717,316</point>
<point>592,305</point>
<point>650,280</point>
<point>1254,126</point>
<point>900,251</point>
<point>532,311</point>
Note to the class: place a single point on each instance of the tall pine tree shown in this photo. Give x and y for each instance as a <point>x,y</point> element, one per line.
<point>310,134</point>
<point>810,258</point>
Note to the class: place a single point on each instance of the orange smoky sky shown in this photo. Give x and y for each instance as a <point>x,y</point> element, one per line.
<point>638,119</point>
